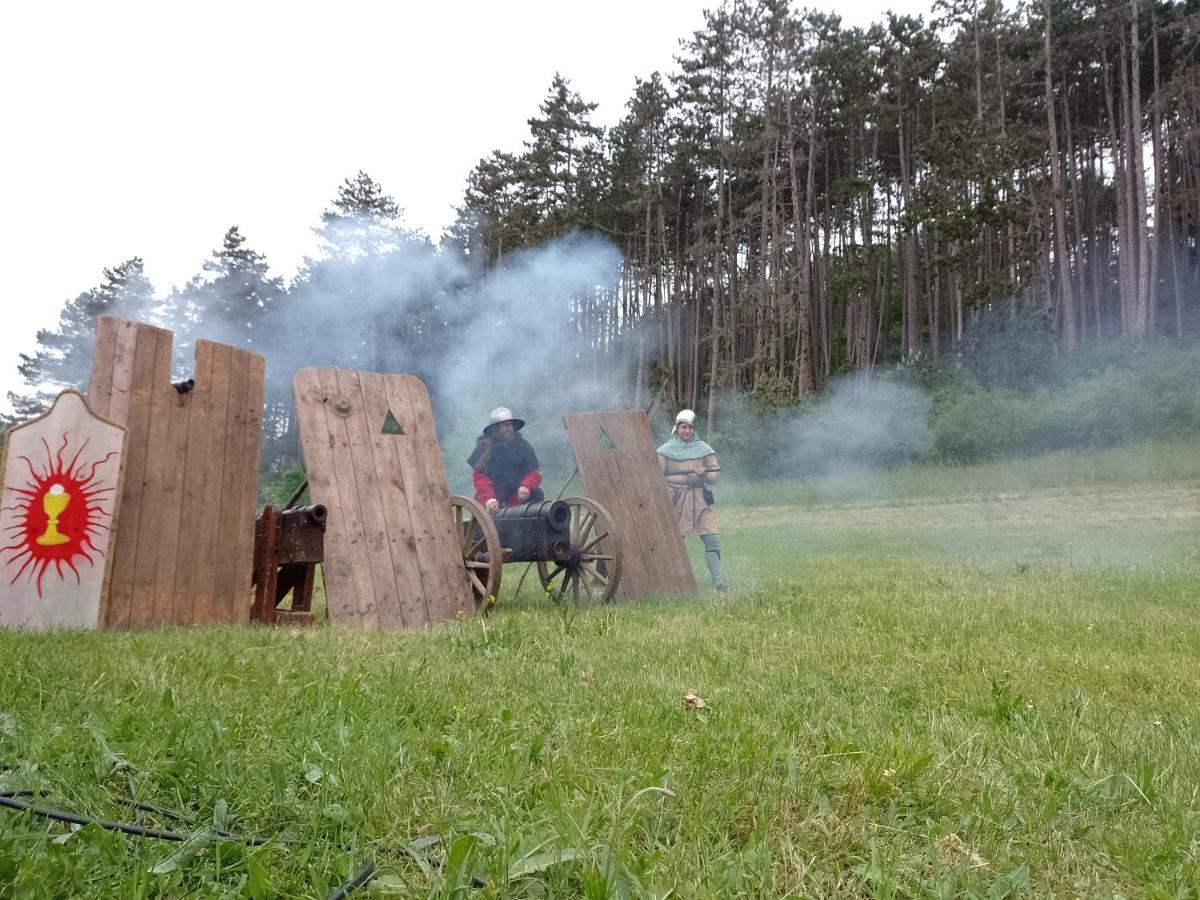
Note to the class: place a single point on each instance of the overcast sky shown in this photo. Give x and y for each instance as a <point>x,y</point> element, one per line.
<point>148,128</point>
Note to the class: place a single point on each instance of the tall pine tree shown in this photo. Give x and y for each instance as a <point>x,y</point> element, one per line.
<point>236,292</point>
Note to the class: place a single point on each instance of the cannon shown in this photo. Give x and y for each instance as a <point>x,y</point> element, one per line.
<point>533,531</point>
<point>572,542</point>
<point>288,546</point>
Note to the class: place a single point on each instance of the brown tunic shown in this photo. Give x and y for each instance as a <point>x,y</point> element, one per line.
<point>695,514</point>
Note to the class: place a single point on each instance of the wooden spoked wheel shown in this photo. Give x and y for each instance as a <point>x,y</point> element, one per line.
<point>483,557</point>
<point>591,570</point>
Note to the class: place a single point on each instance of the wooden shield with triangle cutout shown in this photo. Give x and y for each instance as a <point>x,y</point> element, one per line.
<point>618,462</point>
<point>392,558</point>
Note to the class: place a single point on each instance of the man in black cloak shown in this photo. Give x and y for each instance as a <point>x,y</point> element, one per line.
<point>504,467</point>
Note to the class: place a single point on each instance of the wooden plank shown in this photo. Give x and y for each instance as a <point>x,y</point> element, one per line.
<point>195,501</point>
<point>61,483</point>
<point>421,511</point>
<point>205,530</point>
<point>148,604</point>
<point>228,501</point>
<point>623,494</point>
<point>460,596</point>
<point>316,444</point>
<point>266,570</point>
<point>174,474</point>
<point>104,356</point>
<point>449,592</point>
<point>121,393</point>
<point>665,523</point>
<point>247,496</point>
<point>133,383</point>
<point>336,409</point>
<point>408,609</point>
<point>627,481</point>
<point>370,502</point>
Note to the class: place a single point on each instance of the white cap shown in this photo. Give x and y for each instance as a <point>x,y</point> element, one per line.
<point>685,417</point>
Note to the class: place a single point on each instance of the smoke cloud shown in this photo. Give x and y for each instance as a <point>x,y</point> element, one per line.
<point>533,333</point>
<point>858,427</point>
<point>861,424</point>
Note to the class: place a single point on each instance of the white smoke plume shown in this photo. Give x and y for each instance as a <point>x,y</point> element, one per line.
<point>532,333</point>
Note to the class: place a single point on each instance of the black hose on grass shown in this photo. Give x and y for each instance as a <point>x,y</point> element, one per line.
<point>12,800</point>
<point>360,878</point>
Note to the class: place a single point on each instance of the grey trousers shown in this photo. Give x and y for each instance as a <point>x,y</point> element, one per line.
<point>712,559</point>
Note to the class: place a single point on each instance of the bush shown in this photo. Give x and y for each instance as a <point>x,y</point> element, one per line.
<point>976,423</point>
<point>279,489</point>
<point>1120,395</point>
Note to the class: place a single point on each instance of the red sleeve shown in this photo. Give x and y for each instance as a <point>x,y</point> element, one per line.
<point>484,490</point>
<point>532,480</point>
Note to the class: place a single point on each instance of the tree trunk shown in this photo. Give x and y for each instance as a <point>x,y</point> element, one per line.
<point>1116,131</point>
<point>715,337</point>
<point>1160,180</point>
<point>912,320</point>
<point>1141,236</point>
<point>803,362</point>
<point>1066,289</point>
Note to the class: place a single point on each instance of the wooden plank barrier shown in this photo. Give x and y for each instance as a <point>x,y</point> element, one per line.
<point>62,478</point>
<point>618,461</point>
<point>392,557</point>
<point>184,553</point>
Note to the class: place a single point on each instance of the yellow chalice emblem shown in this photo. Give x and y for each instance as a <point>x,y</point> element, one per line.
<point>54,502</point>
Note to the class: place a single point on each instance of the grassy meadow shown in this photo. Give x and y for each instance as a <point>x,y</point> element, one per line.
<point>974,682</point>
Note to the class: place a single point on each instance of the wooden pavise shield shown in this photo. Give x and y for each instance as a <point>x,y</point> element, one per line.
<point>618,462</point>
<point>184,552</point>
<point>58,516</point>
<point>393,557</point>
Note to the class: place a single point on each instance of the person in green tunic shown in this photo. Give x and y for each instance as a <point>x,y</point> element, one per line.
<point>690,467</point>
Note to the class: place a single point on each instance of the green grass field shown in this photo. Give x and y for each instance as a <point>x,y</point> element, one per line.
<point>986,688</point>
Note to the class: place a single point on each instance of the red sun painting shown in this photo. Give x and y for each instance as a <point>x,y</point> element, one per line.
<point>61,512</point>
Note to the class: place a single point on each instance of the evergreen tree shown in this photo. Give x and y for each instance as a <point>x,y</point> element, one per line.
<point>63,358</point>
<point>561,160</point>
<point>236,293</point>
<point>499,211</point>
<point>363,221</point>
<point>371,299</point>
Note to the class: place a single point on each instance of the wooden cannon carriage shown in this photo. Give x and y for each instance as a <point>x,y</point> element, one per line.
<point>573,542</point>
<point>288,546</point>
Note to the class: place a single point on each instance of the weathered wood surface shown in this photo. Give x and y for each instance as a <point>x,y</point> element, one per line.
<point>618,461</point>
<point>185,552</point>
<point>62,477</point>
<point>392,558</point>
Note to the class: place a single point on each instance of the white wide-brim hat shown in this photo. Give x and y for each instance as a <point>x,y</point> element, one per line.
<point>500,415</point>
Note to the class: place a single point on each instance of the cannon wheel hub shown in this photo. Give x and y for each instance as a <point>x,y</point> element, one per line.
<point>591,568</point>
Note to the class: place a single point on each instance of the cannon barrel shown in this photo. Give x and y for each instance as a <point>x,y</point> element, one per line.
<point>300,534</point>
<point>534,531</point>
<point>314,515</point>
<point>555,513</point>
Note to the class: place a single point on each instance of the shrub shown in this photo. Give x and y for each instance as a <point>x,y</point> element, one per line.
<point>975,423</point>
<point>1118,396</point>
